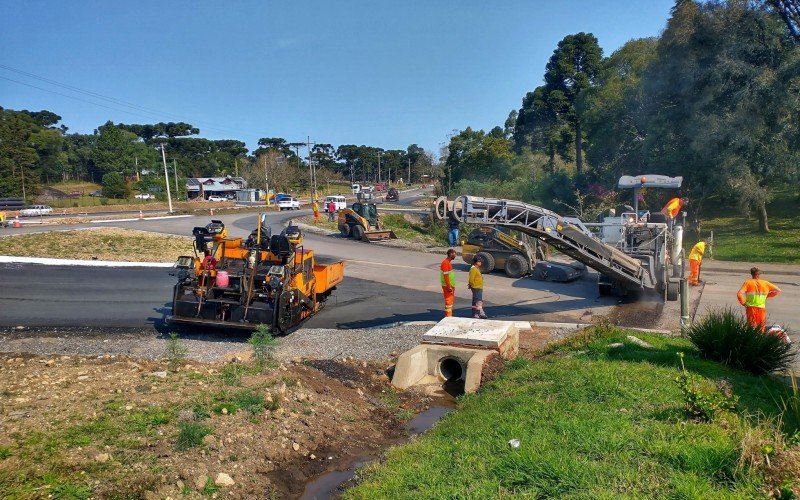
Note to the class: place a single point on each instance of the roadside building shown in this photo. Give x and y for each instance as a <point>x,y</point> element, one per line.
<point>200,188</point>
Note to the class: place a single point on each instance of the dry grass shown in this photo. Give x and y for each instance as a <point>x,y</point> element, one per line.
<point>102,244</point>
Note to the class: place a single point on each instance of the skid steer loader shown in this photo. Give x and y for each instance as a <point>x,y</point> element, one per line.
<point>362,222</point>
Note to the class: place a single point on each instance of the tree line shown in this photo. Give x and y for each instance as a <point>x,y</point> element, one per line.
<point>715,99</point>
<point>36,150</point>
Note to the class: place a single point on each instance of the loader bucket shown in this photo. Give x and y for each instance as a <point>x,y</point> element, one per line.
<point>380,235</point>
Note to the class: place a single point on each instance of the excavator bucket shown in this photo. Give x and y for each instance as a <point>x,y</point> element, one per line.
<point>378,235</point>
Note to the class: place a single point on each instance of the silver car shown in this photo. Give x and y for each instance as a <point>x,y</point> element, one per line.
<point>36,210</point>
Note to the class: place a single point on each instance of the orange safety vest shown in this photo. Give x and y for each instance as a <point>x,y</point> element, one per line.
<point>446,269</point>
<point>673,207</point>
<point>754,293</point>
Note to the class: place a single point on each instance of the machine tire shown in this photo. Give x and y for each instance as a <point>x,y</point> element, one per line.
<point>516,266</point>
<point>358,232</point>
<point>605,289</point>
<point>487,261</point>
<point>344,229</point>
<point>673,288</point>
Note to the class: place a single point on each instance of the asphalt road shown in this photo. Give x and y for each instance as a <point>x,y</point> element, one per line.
<point>383,285</point>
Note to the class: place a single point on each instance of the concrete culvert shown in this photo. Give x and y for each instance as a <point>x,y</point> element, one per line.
<point>451,369</point>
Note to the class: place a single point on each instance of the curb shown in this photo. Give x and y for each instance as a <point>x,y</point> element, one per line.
<point>6,259</point>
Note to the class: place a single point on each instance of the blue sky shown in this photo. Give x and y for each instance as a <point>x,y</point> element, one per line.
<point>380,73</point>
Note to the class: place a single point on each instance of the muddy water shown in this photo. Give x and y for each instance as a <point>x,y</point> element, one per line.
<point>331,484</point>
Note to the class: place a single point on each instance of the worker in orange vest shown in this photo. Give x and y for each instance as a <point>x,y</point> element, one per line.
<point>315,209</point>
<point>695,261</point>
<point>753,296</point>
<point>447,277</point>
<point>673,208</point>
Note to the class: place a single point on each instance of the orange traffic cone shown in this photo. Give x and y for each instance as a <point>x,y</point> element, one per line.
<point>16,223</point>
<point>141,216</point>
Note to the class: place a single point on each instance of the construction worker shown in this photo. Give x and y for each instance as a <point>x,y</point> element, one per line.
<point>448,280</point>
<point>331,210</point>
<point>452,230</point>
<point>753,296</point>
<point>209,262</point>
<point>315,209</point>
<point>695,260</point>
<point>673,208</point>
<point>476,285</point>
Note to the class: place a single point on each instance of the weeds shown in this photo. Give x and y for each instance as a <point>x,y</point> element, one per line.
<point>191,434</point>
<point>210,487</point>
<point>727,337</point>
<point>263,344</point>
<point>699,405</point>
<point>175,352</point>
<point>232,374</point>
<point>69,491</point>
<point>4,452</point>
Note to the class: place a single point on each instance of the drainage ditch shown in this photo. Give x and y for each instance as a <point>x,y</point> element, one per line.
<point>333,483</point>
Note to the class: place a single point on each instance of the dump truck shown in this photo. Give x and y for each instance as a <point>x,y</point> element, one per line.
<point>362,222</point>
<point>241,283</point>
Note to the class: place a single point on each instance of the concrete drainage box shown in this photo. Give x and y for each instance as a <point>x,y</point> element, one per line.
<point>456,350</point>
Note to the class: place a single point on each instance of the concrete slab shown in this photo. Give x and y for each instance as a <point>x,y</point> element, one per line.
<point>486,333</point>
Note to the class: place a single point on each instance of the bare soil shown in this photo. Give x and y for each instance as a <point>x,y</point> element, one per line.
<point>111,426</point>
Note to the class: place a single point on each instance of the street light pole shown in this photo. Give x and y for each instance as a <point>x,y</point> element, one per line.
<point>379,166</point>
<point>166,177</point>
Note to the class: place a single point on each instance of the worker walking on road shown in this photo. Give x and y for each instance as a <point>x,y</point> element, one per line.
<point>448,279</point>
<point>695,261</point>
<point>753,296</point>
<point>476,285</point>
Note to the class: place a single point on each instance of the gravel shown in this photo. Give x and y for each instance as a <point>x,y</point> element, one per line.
<point>375,344</point>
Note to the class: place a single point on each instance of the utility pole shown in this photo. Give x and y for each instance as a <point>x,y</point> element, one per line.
<point>409,171</point>
<point>136,163</point>
<point>22,172</point>
<point>175,171</point>
<point>379,166</point>
<point>166,177</point>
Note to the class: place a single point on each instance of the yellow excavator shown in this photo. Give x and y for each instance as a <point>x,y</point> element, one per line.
<point>362,222</point>
<point>240,283</point>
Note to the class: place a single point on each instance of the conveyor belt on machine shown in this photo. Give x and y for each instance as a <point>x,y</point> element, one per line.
<point>552,229</point>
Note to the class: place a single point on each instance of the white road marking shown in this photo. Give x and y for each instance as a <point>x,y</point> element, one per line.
<point>6,259</point>
<point>99,221</point>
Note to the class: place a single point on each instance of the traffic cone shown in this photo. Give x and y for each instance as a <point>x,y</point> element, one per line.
<point>212,211</point>
<point>16,223</point>
<point>141,215</point>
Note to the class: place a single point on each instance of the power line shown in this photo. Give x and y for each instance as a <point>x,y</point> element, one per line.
<point>157,114</point>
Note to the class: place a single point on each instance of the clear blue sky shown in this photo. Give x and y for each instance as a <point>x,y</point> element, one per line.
<point>380,73</point>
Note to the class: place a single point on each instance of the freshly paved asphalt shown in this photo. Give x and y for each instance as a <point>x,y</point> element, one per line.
<point>383,285</point>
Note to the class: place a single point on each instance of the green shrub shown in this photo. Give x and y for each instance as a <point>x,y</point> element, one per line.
<point>702,405</point>
<point>69,491</point>
<point>727,337</point>
<point>191,434</point>
<point>4,452</point>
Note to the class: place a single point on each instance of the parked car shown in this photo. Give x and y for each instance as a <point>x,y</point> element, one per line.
<point>392,195</point>
<point>144,196</point>
<point>289,203</point>
<point>340,201</point>
<point>96,194</point>
<point>36,210</point>
<point>217,198</point>
<point>281,196</point>
<point>74,194</point>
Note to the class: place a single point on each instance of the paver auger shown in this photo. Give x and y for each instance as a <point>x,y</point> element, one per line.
<point>265,279</point>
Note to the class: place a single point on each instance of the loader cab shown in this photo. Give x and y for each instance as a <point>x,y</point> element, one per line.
<point>369,211</point>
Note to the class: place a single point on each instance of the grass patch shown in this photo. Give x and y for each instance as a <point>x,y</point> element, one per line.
<point>191,434</point>
<point>736,237</point>
<point>593,422</point>
<point>5,452</point>
<point>70,491</point>
<point>247,400</point>
<point>102,244</point>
